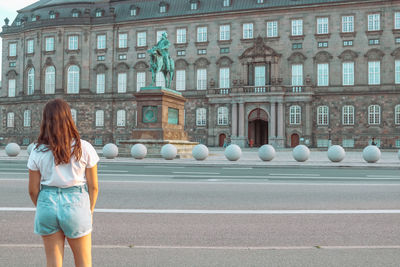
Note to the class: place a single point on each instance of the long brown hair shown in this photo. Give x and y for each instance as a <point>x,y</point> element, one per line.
<point>58,131</point>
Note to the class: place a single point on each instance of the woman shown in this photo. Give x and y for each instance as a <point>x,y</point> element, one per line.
<point>63,186</point>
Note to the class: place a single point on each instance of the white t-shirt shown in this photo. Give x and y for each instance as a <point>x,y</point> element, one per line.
<point>63,175</point>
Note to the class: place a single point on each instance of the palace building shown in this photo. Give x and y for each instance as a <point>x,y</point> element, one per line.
<point>281,72</point>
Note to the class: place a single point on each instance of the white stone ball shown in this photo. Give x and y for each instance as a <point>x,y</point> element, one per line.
<point>371,154</point>
<point>12,149</point>
<point>139,151</point>
<point>169,151</point>
<point>266,152</point>
<point>336,153</point>
<point>30,147</point>
<point>110,151</point>
<point>200,152</point>
<point>301,153</point>
<point>233,152</point>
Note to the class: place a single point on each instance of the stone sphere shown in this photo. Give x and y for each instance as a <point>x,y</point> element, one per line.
<point>110,151</point>
<point>336,153</point>
<point>301,153</point>
<point>233,152</point>
<point>139,151</point>
<point>266,152</point>
<point>169,151</point>
<point>371,154</point>
<point>30,147</point>
<point>12,149</point>
<point>200,152</point>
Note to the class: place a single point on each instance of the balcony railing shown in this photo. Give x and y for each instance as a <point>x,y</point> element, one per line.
<point>254,90</point>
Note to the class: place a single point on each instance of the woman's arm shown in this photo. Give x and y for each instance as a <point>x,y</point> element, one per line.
<point>93,187</point>
<point>34,185</point>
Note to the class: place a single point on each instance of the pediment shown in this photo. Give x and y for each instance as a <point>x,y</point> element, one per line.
<point>259,49</point>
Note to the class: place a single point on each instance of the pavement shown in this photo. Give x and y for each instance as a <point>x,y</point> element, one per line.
<point>318,159</point>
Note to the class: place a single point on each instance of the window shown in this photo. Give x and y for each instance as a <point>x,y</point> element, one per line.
<point>159,35</point>
<point>374,114</point>
<point>322,25</point>
<point>11,88</point>
<point>33,18</point>
<point>12,64</point>
<point>201,51</point>
<point>181,36</point>
<point>160,79</point>
<point>348,43</point>
<point>193,6</point>
<point>348,73</point>
<point>322,115</point>
<point>323,74</point>
<point>74,115</point>
<point>297,46</point>
<point>27,118</point>
<point>397,20</point>
<point>202,34</point>
<point>122,82</point>
<point>180,80</point>
<point>99,118</point>
<point>397,40</point>
<point>30,46</point>
<point>31,81</point>
<point>397,114</point>
<point>397,71</point>
<point>50,80</point>
<point>260,1</point>
<point>100,83</point>
<point>121,115</point>
<point>259,76</point>
<point>295,114</point>
<point>222,118</point>
<point>98,141</point>
<point>122,40</point>
<point>18,23</point>
<point>348,142</point>
<point>201,118</point>
<point>297,75</point>
<point>140,80</point>
<point>134,12</point>
<point>224,50</point>
<point>141,39</point>
<point>297,27</point>
<point>374,22</point>
<point>348,24</point>
<point>73,42</point>
<point>348,115</point>
<point>141,55</point>
<point>73,80</point>
<point>163,8</point>
<point>226,3</point>
<point>101,58</point>
<point>201,79</point>
<point>75,14</point>
<point>224,78</point>
<point>122,57</point>
<point>248,31</point>
<point>52,15</point>
<point>374,72</point>
<point>99,13</point>
<point>322,44</point>
<point>272,29</point>
<point>322,142</point>
<point>224,32</point>
<point>181,52</point>
<point>10,119</point>
<point>373,41</point>
<point>49,44</point>
<point>101,41</point>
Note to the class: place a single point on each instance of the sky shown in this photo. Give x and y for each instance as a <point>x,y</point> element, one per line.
<point>8,9</point>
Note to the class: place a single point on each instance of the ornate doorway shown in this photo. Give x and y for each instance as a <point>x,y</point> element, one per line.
<point>294,140</point>
<point>221,140</point>
<point>258,128</point>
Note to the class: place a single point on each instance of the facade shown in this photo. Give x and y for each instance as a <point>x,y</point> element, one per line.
<point>253,71</point>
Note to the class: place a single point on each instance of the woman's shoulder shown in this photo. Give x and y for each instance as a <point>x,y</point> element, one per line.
<point>86,145</point>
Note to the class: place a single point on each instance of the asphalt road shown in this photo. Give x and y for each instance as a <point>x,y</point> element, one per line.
<point>222,216</point>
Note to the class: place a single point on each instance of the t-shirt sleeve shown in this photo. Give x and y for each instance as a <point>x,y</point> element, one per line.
<point>32,162</point>
<point>92,157</point>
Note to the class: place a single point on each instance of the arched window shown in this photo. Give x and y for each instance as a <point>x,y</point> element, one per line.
<point>74,115</point>
<point>99,118</point>
<point>160,80</point>
<point>348,115</point>
<point>295,114</point>
<point>121,118</point>
<point>27,118</point>
<point>31,81</point>
<point>201,118</point>
<point>50,80</point>
<point>323,115</point>
<point>374,114</point>
<point>397,114</point>
<point>222,116</point>
<point>10,119</point>
<point>73,80</point>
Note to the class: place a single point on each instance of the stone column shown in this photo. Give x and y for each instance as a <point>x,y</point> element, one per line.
<point>272,121</point>
<point>280,120</point>
<point>241,119</point>
<point>234,119</point>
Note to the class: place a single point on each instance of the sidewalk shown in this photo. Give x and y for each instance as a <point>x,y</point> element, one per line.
<point>249,158</point>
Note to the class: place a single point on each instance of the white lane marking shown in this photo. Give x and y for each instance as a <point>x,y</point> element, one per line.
<point>211,247</point>
<point>233,212</point>
<point>229,168</point>
<point>196,172</point>
<point>112,171</point>
<point>163,167</point>
<point>12,169</point>
<point>294,174</point>
<point>383,176</point>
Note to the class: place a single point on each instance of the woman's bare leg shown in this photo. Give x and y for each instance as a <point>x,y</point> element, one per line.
<point>82,250</point>
<point>54,247</point>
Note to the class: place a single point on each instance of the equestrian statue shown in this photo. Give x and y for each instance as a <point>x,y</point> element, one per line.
<point>160,60</point>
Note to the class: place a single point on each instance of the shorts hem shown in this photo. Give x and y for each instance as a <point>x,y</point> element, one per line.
<point>46,233</point>
<point>80,235</point>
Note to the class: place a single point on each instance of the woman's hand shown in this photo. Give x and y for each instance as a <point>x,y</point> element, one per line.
<point>34,185</point>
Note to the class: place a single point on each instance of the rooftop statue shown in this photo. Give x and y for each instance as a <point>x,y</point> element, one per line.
<point>161,61</point>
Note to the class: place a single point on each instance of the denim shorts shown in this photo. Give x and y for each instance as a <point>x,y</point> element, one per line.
<point>66,209</point>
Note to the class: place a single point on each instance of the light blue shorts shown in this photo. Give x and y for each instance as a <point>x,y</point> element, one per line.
<point>66,209</point>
